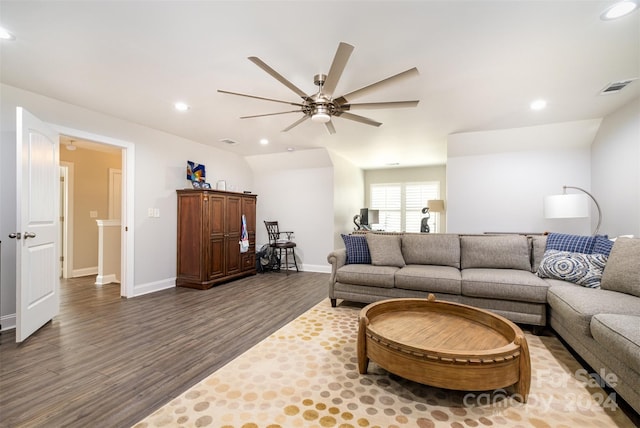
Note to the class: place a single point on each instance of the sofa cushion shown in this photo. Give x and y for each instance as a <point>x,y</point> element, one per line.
<point>579,268</point>
<point>375,276</point>
<point>431,249</point>
<point>620,335</point>
<point>622,272</point>
<point>506,284</point>
<point>575,305</point>
<point>572,243</point>
<point>539,244</point>
<point>495,251</point>
<point>429,278</point>
<point>385,250</point>
<point>357,249</point>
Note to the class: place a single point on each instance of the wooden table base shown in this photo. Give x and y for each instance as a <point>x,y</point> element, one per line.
<point>443,344</point>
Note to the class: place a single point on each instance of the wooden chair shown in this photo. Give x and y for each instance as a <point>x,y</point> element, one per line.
<point>277,243</point>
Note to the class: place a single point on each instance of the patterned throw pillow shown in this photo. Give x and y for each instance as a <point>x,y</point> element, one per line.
<point>571,243</point>
<point>581,269</point>
<point>357,249</point>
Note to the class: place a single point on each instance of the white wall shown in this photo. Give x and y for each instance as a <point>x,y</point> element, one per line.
<point>296,189</point>
<point>348,196</point>
<point>160,169</point>
<point>615,171</point>
<point>503,191</point>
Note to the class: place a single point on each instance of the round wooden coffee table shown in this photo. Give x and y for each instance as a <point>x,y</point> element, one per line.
<point>444,344</point>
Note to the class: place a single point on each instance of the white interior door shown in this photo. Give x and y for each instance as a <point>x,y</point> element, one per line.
<point>38,178</point>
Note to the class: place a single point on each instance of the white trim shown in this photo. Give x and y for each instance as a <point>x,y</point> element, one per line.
<point>316,268</point>
<point>8,322</point>
<point>68,219</point>
<point>152,287</point>
<point>128,188</point>
<point>76,273</point>
<point>106,279</point>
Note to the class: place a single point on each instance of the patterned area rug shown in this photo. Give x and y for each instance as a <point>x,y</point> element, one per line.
<point>306,375</point>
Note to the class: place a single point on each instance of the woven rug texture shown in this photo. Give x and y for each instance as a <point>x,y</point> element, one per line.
<point>306,375</point>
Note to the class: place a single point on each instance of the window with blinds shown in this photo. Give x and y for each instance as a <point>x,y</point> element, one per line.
<point>400,205</point>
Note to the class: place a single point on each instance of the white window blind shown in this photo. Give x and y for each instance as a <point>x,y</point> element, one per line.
<point>400,205</point>
<point>416,197</point>
<point>387,199</point>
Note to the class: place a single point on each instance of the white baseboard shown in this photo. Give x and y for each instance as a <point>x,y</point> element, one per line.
<point>8,322</point>
<point>106,279</point>
<point>150,287</point>
<point>317,268</point>
<point>84,272</point>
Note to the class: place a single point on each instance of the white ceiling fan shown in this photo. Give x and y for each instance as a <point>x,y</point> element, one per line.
<point>322,106</point>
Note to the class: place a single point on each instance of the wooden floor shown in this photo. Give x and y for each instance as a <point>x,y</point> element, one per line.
<point>107,361</point>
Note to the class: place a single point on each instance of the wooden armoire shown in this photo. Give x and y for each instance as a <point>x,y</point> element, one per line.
<point>209,234</point>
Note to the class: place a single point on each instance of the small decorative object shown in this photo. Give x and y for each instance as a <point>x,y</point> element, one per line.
<point>206,185</point>
<point>195,172</point>
<point>221,185</point>
<point>196,184</point>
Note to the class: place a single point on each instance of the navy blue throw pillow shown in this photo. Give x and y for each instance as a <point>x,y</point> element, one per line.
<point>571,243</point>
<point>357,249</point>
<point>603,245</point>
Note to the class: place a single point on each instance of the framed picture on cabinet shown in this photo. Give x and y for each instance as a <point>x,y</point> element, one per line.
<point>205,185</point>
<point>196,184</point>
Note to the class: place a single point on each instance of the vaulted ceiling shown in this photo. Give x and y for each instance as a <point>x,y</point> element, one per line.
<point>480,65</point>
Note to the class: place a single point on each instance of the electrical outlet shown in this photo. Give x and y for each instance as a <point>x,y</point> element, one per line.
<point>93,214</point>
<point>150,212</point>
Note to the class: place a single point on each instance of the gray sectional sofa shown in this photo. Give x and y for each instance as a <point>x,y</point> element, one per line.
<point>500,273</point>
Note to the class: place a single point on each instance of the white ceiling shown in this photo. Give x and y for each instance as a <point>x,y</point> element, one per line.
<point>481,63</point>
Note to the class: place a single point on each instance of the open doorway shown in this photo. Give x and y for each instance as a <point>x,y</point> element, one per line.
<point>95,239</point>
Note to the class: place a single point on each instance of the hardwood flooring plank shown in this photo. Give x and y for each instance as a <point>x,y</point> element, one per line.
<point>109,361</point>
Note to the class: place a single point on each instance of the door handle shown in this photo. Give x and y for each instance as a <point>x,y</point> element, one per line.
<point>15,235</point>
<point>29,235</point>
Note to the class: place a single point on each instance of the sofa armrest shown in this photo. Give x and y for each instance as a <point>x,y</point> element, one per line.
<point>337,259</point>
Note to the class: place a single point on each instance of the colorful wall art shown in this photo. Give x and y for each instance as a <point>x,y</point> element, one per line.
<point>195,172</point>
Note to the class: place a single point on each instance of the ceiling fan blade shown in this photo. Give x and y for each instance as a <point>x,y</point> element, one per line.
<point>257,61</point>
<point>269,114</point>
<point>382,83</point>
<point>388,104</point>
<point>330,127</point>
<point>337,67</point>
<point>260,98</point>
<point>360,119</point>
<point>296,123</point>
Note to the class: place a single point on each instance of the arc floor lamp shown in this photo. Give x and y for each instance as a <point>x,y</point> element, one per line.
<point>570,205</point>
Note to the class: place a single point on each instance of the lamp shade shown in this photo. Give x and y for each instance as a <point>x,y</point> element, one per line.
<point>566,206</point>
<point>435,205</point>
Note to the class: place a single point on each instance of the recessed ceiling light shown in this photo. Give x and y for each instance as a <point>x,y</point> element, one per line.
<point>264,141</point>
<point>538,105</point>
<point>6,34</point>
<point>180,106</point>
<point>619,10</point>
<point>291,149</point>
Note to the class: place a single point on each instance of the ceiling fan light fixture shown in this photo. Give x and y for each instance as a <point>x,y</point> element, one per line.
<point>321,115</point>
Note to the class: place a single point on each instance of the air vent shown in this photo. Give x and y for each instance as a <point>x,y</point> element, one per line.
<point>228,141</point>
<point>615,87</point>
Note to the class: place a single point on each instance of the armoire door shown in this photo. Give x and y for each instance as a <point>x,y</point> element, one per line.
<point>233,234</point>
<point>217,239</point>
